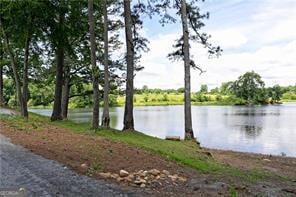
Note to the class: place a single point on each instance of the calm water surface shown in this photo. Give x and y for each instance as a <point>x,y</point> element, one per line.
<point>259,129</point>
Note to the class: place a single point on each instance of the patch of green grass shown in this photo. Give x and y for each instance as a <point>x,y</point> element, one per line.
<point>183,152</point>
<point>233,192</point>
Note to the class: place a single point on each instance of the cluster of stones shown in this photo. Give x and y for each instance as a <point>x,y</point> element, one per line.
<point>143,178</point>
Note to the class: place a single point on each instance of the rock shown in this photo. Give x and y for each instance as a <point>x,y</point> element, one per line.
<point>165,172</point>
<point>84,165</point>
<point>142,175</point>
<point>140,181</point>
<point>140,172</point>
<point>128,179</point>
<point>131,176</point>
<point>240,187</point>
<point>173,177</point>
<point>142,185</point>
<point>157,177</point>
<point>173,138</point>
<point>182,179</point>
<point>114,176</point>
<point>143,181</point>
<point>105,175</point>
<point>119,179</point>
<point>123,173</point>
<point>155,172</point>
<point>162,176</point>
<point>267,160</point>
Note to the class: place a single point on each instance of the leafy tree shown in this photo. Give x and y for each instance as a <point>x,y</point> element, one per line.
<point>58,40</point>
<point>20,27</point>
<point>95,70</point>
<point>275,93</point>
<point>226,88</point>
<point>192,21</point>
<point>250,87</point>
<point>204,88</point>
<point>214,90</point>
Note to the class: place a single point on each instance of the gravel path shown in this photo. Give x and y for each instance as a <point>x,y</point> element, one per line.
<point>20,168</point>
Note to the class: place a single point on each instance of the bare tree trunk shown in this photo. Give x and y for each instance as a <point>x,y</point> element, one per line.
<point>187,94</point>
<point>14,70</point>
<point>1,78</point>
<point>106,116</point>
<point>1,87</point>
<point>128,122</point>
<point>25,75</point>
<point>57,106</point>
<point>66,92</point>
<point>95,70</point>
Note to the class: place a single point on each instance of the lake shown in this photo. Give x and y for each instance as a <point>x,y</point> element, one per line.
<point>260,129</point>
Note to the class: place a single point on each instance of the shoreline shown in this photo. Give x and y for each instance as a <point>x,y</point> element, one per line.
<point>76,146</point>
<point>204,147</point>
<point>173,104</point>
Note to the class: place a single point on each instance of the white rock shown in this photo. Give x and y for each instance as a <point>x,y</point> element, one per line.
<point>84,165</point>
<point>165,172</point>
<point>123,173</point>
<point>155,172</point>
<point>143,185</point>
<point>182,179</point>
<point>105,175</point>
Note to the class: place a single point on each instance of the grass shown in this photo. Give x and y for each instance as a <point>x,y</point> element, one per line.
<point>183,152</point>
<point>288,101</point>
<point>161,99</point>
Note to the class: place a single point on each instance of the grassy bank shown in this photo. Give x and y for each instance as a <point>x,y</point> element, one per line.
<point>184,152</point>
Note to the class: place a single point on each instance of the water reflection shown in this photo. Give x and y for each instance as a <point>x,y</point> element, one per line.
<point>260,129</point>
<point>251,131</point>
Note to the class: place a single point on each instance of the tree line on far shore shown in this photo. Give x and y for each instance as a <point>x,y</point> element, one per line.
<point>42,96</point>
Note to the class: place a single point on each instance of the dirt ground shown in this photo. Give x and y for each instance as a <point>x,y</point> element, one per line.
<point>282,166</point>
<point>91,155</point>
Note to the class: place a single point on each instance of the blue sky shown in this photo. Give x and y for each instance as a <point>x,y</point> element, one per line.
<point>257,35</point>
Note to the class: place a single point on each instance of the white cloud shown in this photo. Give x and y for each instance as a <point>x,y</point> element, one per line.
<point>228,38</point>
<point>265,43</point>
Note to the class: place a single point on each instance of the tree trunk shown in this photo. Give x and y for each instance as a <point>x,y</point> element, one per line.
<point>66,92</point>
<point>128,122</point>
<point>14,70</point>
<point>106,116</point>
<point>187,94</point>
<point>1,87</point>
<point>95,71</point>
<point>1,78</point>
<point>57,107</point>
<point>25,75</point>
